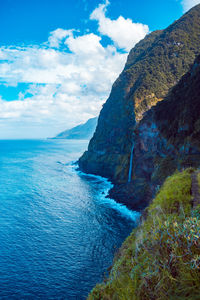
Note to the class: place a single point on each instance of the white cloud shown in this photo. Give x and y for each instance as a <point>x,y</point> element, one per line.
<point>69,77</point>
<point>187,4</point>
<point>88,44</point>
<point>123,32</point>
<point>66,88</point>
<point>56,36</point>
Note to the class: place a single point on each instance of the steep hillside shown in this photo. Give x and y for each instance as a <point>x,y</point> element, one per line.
<point>84,131</point>
<point>153,67</point>
<point>160,259</point>
<point>166,139</point>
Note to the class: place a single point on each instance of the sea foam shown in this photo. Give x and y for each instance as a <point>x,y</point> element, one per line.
<point>106,186</point>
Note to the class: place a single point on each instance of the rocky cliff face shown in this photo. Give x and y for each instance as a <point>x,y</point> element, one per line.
<point>153,67</point>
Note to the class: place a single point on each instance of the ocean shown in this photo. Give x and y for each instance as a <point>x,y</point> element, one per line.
<point>58,231</point>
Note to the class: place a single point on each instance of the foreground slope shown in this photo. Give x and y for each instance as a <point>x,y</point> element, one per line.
<point>153,67</point>
<point>161,258</point>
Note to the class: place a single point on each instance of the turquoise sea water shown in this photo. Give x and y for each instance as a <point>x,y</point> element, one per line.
<point>58,231</point>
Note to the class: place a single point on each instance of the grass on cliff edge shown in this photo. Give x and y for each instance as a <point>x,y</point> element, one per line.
<point>161,258</point>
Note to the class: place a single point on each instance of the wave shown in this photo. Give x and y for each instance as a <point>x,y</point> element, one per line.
<point>106,186</point>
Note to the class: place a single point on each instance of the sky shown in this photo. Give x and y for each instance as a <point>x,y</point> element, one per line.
<point>59,58</point>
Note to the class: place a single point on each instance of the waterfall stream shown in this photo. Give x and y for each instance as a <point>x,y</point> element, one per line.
<point>131,164</point>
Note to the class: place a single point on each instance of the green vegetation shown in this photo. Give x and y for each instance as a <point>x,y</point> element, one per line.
<point>161,258</point>
<point>160,60</point>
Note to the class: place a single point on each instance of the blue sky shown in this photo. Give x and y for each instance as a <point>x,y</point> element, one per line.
<point>59,58</point>
<point>31,21</point>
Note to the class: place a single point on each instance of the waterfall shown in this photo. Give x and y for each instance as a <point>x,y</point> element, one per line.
<point>131,164</point>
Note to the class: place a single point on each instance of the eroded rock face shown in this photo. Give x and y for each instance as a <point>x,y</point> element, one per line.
<point>152,68</point>
<point>149,146</point>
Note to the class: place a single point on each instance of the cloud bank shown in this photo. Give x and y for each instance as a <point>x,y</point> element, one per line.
<point>68,78</point>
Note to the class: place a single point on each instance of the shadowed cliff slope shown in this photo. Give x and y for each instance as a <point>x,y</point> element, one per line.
<point>153,67</point>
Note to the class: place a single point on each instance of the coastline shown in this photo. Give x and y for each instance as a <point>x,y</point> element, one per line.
<point>105,197</point>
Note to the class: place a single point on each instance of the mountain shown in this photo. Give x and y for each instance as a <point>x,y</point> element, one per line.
<point>160,259</point>
<point>131,143</point>
<point>81,132</point>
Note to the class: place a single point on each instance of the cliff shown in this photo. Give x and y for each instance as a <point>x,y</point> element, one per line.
<point>160,259</point>
<point>166,139</point>
<point>129,130</point>
<point>81,132</point>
